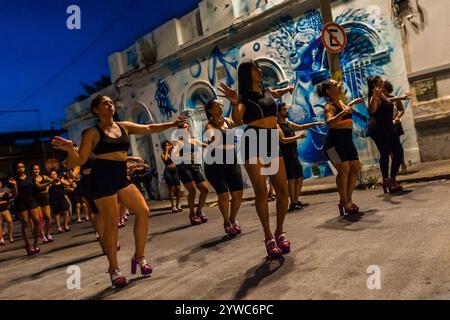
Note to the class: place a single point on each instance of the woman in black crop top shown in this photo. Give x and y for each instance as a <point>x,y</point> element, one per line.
<point>225,176</point>
<point>171,176</point>
<point>109,141</point>
<point>27,207</point>
<point>381,130</point>
<point>190,173</point>
<point>339,147</point>
<point>255,106</point>
<point>42,183</point>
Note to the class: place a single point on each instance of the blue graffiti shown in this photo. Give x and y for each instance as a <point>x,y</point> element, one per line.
<point>195,69</point>
<point>297,45</point>
<point>256,47</point>
<point>132,58</point>
<point>162,97</point>
<point>228,60</point>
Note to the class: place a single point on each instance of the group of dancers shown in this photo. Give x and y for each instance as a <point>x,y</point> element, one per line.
<point>104,150</point>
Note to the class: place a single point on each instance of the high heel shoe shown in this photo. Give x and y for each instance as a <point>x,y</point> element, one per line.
<point>146,269</point>
<point>195,221</point>
<point>230,230</point>
<point>395,185</point>
<point>117,279</point>
<point>283,243</point>
<point>354,209</point>
<point>202,217</point>
<point>388,187</point>
<point>31,251</point>
<point>237,227</point>
<point>272,249</point>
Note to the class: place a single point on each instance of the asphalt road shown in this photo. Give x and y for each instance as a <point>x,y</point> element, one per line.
<point>404,237</point>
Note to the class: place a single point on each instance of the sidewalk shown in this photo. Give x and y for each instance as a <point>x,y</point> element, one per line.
<point>420,172</point>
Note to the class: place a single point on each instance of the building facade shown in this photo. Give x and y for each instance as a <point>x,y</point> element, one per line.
<point>177,68</point>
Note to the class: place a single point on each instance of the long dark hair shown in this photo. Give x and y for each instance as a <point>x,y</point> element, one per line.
<point>322,88</point>
<point>96,102</point>
<point>245,77</point>
<point>371,85</point>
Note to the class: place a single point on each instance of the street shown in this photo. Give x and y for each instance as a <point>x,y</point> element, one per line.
<point>406,236</point>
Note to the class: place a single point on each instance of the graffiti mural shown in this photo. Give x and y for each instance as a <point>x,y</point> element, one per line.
<point>163,99</point>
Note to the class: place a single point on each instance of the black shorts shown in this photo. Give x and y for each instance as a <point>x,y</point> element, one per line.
<point>171,177</point>
<point>85,192</point>
<point>59,205</point>
<point>74,197</point>
<point>224,177</point>
<point>339,146</point>
<point>25,203</point>
<point>189,173</point>
<point>272,145</point>
<point>294,169</point>
<point>42,199</point>
<point>108,177</point>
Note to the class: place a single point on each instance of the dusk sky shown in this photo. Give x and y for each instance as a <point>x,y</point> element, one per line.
<point>43,62</point>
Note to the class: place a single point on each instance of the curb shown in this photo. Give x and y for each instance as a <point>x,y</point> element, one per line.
<point>327,189</point>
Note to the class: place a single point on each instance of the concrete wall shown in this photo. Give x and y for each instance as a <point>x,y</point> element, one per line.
<point>427,44</point>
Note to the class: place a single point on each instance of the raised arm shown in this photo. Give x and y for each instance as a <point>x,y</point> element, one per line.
<point>286,140</point>
<point>134,128</point>
<point>332,118</point>
<point>300,127</point>
<point>278,93</point>
<point>77,157</point>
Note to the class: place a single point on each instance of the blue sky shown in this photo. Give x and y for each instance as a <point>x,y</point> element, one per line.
<point>36,46</point>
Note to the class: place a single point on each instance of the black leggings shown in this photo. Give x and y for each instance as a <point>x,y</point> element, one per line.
<point>388,143</point>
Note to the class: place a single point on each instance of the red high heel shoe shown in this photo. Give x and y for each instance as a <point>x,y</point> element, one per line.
<point>237,227</point>
<point>203,218</point>
<point>229,229</point>
<point>195,221</point>
<point>354,209</point>
<point>272,249</point>
<point>283,243</point>
<point>146,269</point>
<point>117,279</point>
<point>395,185</point>
<point>388,186</point>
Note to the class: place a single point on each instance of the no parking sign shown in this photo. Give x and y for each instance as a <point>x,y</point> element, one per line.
<point>333,37</point>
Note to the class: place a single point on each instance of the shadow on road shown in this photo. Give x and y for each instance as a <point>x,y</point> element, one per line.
<point>38,274</point>
<point>257,274</point>
<point>343,223</point>
<point>185,226</point>
<point>111,290</point>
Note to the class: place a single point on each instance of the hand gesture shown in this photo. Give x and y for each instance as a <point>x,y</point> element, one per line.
<point>228,93</point>
<point>12,181</point>
<point>356,101</point>
<point>377,91</point>
<point>302,135</point>
<point>62,144</point>
<point>347,110</point>
<point>290,87</point>
<point>407,95</point>
<point>181,120</point>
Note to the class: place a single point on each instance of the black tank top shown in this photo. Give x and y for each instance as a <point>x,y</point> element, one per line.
<point>57,191</point>
<point>258,106</point>
<point>339,109</point>
<point>44,180</point>
<point>168,161</point>
<point>288,149</point>
<point>107,144</point>
<point>25,188</point>
<point>384,115</point>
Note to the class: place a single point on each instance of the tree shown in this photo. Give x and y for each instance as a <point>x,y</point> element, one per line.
<point>90,89</point>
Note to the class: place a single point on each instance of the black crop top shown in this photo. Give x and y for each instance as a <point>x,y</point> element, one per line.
<point>258,106</point>
<point>339,109</point>
<point>107,144</point>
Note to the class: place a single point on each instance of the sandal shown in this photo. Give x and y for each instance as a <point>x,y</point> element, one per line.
<point>202,217</point>
<point>195,221</point>
<point>2,242</point>
<point>117,279</point>
<point>272,249</point>
<point>146,269</point>
<point>237,227</point>
<point>230,230</point>
<point>283,243</point>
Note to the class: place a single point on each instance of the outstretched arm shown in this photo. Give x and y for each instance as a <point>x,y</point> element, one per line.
<point>299,127</point>
<point>278,93</point>
<point>134,128</point>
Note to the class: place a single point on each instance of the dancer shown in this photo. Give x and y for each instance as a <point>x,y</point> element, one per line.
<point>256,107</point>
<point>339,146</point>
<point>6,195</point>
<point>26,207</point>
<point>171,176</point>
<point>288,144</point>
<point>42,184</point>
<point>226,178</point>
<point>110,141</point>
<point>399,112</point>
<point>58,203</point>
<point>192,178</point>
<point>381,130</point>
